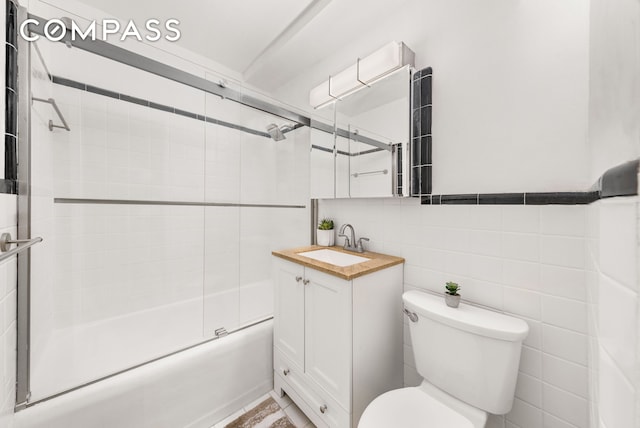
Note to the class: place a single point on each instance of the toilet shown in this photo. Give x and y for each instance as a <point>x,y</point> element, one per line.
<point>468,358</point>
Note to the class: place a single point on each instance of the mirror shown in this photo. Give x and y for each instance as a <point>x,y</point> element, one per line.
<point>364,153</point>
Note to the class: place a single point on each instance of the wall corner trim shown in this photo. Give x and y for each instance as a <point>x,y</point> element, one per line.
<point>621,180</point>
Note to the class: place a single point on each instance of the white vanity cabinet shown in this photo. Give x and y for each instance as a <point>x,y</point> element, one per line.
<point>337,342</point>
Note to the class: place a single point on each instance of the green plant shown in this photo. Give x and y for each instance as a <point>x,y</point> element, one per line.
<point>326,224</point>
<point>452,288</point>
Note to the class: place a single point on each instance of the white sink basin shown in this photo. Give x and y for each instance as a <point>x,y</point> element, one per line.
<point>334,257</point>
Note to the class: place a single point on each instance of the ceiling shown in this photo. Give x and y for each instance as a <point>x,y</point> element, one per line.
<point>232,33</point>
<point>267,42</point>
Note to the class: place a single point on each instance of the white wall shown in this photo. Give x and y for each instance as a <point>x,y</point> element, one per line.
<point>614,83</point>
<point>614,137</point>
<point>524,260</point>
<point>510,89</point>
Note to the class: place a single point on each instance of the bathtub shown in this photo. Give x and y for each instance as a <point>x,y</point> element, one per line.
<point>193,388</point>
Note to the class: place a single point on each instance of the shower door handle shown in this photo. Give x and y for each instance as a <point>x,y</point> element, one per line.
<point>6,242</point>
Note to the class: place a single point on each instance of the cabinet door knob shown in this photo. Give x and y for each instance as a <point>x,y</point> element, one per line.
<point>286,372</point>
<point>306,281</point>
<point>323,408</point>
<point>298,278</point>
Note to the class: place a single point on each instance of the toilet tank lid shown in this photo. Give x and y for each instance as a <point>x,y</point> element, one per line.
<point>466,317</point>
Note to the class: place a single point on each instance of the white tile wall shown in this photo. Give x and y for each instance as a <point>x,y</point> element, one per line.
<point>613,309</point>
<point>8,282</point>
<point>42,215</point>
<point>524,260</point>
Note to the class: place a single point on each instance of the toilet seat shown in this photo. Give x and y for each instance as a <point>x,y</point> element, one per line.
<point>418,407</point>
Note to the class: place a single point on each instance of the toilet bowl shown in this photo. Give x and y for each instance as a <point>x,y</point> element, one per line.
<point>422,406</point>
<point>468,358</point>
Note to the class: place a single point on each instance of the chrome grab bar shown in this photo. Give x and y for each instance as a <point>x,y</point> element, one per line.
<point>382,171</point>
<point>51,101</point>
<point>22,244</point>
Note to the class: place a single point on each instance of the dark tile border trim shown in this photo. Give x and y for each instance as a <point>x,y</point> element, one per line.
<point>8,187</point>
<point>561,198</point>
<point>462,199</point>
<point>421,139</point>
<point>8,184</point>
<point>621,180</point>
<point>501,199</point>
<point>533,198</point>
<point>150,104</point>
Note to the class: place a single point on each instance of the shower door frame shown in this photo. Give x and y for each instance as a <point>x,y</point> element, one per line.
<point>23,314</point>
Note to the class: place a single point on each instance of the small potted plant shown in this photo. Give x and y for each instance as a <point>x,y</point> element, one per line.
<point>451,296</point>
<point>326,235</point>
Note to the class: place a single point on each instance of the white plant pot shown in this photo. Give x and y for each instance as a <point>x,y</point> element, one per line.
<point>326,238</point>
<point>452,301</point>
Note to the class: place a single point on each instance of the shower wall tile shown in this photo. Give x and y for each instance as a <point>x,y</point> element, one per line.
<point>238,286</point>
<point>258,169</point>
<point>99,72</point>
<point>221,269</point>
<point>118,259</point>
<point>275,171</point>
<point>118,150</point>
<point>222,169</point>
<point>228,111</point>
<point>497,254</point>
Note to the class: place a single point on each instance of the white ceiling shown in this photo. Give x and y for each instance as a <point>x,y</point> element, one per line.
<point>231,32</point>
<point>268,42</point>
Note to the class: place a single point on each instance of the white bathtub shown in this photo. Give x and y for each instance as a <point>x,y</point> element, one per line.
<point>194,388</point>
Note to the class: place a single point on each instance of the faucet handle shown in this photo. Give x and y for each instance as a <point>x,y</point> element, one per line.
<point>360,245</point>
<point>347,243</point>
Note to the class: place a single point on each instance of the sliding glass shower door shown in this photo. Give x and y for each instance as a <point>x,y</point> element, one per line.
<point>159,210</point>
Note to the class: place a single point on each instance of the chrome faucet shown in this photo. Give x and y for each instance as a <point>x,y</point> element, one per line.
<point>350,241</point>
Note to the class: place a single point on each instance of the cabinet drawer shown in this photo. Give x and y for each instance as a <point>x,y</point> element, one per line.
<point>308,396</point>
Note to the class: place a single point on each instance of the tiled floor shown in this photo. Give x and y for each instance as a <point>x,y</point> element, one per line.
<point>290,409</point>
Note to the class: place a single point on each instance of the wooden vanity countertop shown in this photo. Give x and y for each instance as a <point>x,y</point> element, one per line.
<point>378,261</point>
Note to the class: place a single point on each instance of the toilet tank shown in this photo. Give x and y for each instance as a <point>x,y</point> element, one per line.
<point>471,353</point>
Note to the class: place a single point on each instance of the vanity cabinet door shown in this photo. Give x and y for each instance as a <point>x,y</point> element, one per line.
<point>289,311</point>
<point>328,334</point>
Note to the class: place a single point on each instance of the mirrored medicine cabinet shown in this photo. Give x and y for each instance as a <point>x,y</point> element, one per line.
<point>364,151</point>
